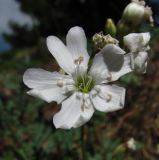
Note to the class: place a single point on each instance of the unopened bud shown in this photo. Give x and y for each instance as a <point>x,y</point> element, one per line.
<point>136,13</point>
<point>120,149</point>
<point>110,27</point>
<point>100,40</point>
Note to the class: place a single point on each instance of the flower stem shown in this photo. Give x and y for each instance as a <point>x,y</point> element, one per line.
<point>82,143</point>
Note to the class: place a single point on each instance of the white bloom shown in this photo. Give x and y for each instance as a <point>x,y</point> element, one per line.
<point>138,45</point>
<point>131,143</point>
<point>81,91</point>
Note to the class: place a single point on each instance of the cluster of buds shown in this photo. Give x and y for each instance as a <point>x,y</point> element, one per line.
<point>136,13</point>
<point>100,40</point>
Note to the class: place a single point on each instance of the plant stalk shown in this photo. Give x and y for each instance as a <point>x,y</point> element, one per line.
<point>83,144</point>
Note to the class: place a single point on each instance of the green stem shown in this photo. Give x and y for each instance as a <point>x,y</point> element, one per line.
<point>82,143</point>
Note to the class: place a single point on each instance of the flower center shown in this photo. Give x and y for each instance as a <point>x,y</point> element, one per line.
<point>84,83</point>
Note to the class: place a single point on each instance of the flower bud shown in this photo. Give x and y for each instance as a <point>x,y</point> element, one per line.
<point>136,13</point>
<point>110,27</point>
<point>100,40</point>
<point>121,148</point>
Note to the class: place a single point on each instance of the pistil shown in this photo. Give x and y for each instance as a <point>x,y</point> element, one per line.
<point>84,83</point>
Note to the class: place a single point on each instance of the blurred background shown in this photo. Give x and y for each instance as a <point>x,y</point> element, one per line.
<point>26,129</point>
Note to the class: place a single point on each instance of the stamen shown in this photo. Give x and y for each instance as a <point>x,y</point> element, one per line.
<point>69,82</point>
<point>101,94</point>
<point>68,88</point>
<point>86,102</point>
<point>105,96</point>
<point>83,81</point>
<point>109,76</point>
<point>82,107</point>
<point>61,83</point>
<point>89,82</point>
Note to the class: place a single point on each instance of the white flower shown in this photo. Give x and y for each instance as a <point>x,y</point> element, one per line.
<point>81,91</point>
<point>131,143</point>
<point>138,45</point>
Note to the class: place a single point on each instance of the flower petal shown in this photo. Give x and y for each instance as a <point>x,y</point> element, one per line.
<point>35,77</point>
<point>71,114</point>
<point>133,41</point>
<point>110,98</point>
<point>140,62</point>
<point>77,45</point>
<point>110,64</point>
<point>137,41</point>
<point>146,38</point>
<point>44,84</point>
<point>126,68</point>
<point>48,93</point>
<point>61,54</point>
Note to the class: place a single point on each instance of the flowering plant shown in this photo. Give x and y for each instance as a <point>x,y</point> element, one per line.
<point>81,90</point>
<point>84,87</point>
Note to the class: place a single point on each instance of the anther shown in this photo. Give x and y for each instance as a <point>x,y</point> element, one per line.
<point>78,60</point>
<point>60,83</point>
<point>109,97</point>
<point>105,96</point>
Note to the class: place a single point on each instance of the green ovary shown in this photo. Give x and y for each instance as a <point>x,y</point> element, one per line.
<point>84,83</point>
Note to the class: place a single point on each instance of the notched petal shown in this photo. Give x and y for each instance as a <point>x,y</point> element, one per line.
<point>61,54</point>
<point>136,42</point>
<point>71,114</point>
<point>44,84</point>
<point>109,62</point>
<point>115,102</point>
<point>113,57</point>
<point>77,45</point>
